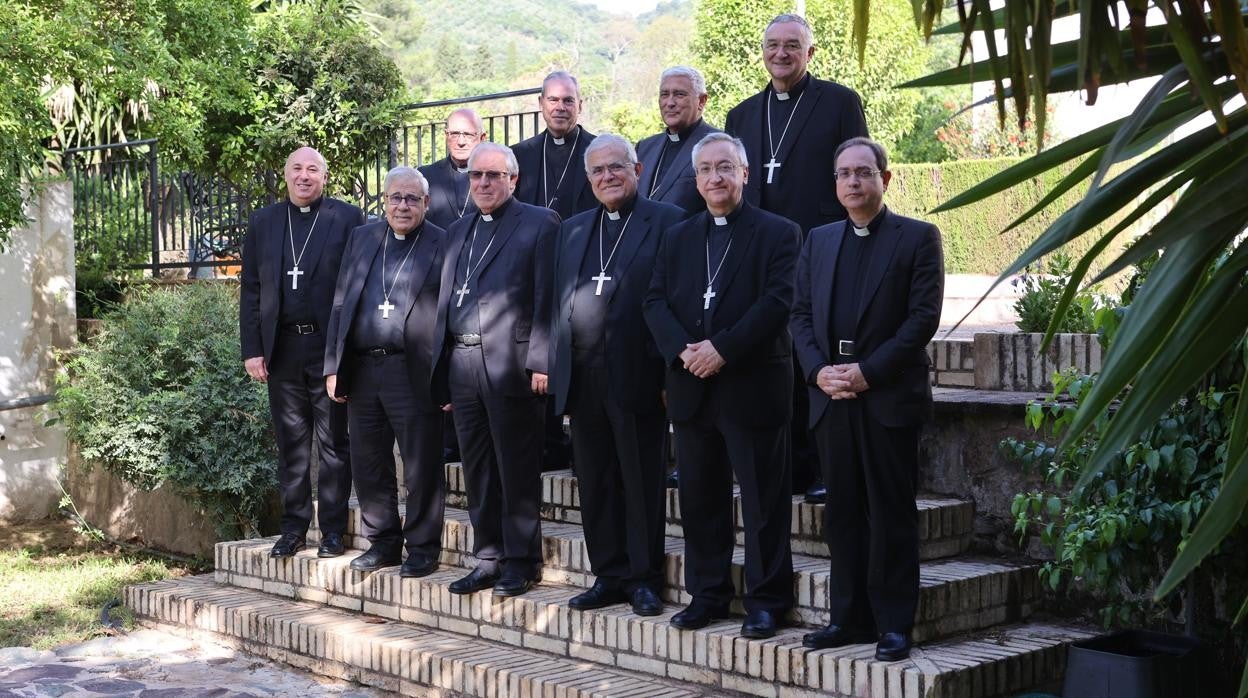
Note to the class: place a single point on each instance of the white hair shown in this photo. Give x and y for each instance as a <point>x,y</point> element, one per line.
<point>513,167</point>
<point>604,141</point>
<point>721,137</point>
<point>684,71</point>
<point>403,173</point>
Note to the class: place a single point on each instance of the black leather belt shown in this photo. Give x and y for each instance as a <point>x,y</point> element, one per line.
<point>845,347</point>
<point>377,352</point>
<point>467,340</point>
<point>309,328</point>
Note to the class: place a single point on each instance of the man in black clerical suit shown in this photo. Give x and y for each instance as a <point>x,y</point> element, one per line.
<point>718,307</point>
<point>667,165</point>
<point>607,375</point>
<point>290,263</point>
<point>379,355</point>
<point>869,292</point>
<point>448,178</point>
<point>494,318</point>
<point>550,162</point>
<point>791,131</point>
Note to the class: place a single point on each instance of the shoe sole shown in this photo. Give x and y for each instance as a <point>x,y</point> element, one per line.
<point>406,574</point>
<point>329,553</point>
<point>891,657</point>
<point>373,568</point>
<point>648,611</point>
<point>507,593</point>
<point>289,554</point>
<point>758,634</point>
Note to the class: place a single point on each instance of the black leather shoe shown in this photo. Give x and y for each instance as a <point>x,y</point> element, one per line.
<point>817,493</point>
<point>288,545</point>
<point>331,545</point>
<point>673,479</point>
<point>375,558</point>
<point>646,602</point>
<point>758,625</point>
<point>473,582</point>
<point>512,585</point>
<point>598,596</point>
<point>835,636</point>
<point>893,647</point>
<point>417,565</point>
<point>699,615</point>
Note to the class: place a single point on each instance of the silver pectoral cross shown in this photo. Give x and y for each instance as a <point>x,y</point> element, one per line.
<point>602,276</point>
<point>385,309</point>
<point>771,166</point>
<point>706,297</point>
<point>294,275</point>
<point>463,291</point>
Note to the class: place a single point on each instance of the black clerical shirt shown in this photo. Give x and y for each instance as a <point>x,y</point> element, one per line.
<point>719,237</point>
<point>371,328</point>
<point>781,110</point>
<point>464,317</point>
<point>667,156</point>
<point>851,265</point>
<point>295,309</point>
<point>589,310</point>
<point>558,165</point>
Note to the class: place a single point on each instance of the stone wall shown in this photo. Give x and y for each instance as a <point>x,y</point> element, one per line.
<point>1010,360</point>
<point>36,320</point>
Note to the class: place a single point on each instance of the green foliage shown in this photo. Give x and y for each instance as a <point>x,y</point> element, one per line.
<point>1041,292</point>
<point>160,399</point>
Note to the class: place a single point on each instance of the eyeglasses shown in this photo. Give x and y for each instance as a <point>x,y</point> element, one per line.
<point>488,175</point>
<point>723,169</point>
<point>565,101</point>
<point>409,199</point>
<point>462,134</point>
<point>856,173</point>
<point>614,168</point>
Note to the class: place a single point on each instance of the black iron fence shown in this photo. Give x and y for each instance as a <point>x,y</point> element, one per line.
<point>129,214</point>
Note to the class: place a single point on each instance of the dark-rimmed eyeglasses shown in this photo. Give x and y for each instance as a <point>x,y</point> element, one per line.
<point>856,173</point>
<point>409,199</point>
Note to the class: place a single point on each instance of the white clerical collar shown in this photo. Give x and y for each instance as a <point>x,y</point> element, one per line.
<point>673,137</point>
<point>721,220</point>
<point>462,170</point>
<point>861,232</point>
<point>305,209</point>
<point>397,236</point>
<point>782,96</point>
<point>613,215</point>
<point>486,217</point>
<point>558,141</point>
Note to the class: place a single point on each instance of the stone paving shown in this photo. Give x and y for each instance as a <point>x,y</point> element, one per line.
<point>154,664</point>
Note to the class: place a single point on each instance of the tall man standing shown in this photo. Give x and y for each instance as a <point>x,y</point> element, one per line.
<point>380,349</point>
<point>607,375</point>
<point>791,131</point>
<point>718,307</point>
<point>291,257</point>
<point>448,178</point>
<point>550,162</point>
<point>869,293</point>
<point>667,168</point>
<point>494,317</point>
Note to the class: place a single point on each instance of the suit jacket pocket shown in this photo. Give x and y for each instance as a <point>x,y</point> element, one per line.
<point>522,331</point>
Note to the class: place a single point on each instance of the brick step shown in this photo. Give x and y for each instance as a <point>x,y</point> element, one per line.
<point>1000,661</point>
<point>399,657</point>
<point>946,525</point>
<point>956,595</point>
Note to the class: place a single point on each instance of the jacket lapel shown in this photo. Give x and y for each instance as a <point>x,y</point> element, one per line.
<point>275,238</point>
<point>823,276</point>
<point>801,116</point>
<point>572,256</point>
<point>641,227</point>
<point>881,259</point>
<point>324,224</point>
<point>680,165</point>
<point>742,235</point>
<point>506,227</point>
<point>422,261</point>
<point>359,269</point>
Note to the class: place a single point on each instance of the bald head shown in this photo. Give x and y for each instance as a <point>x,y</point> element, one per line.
<point>306,174</point>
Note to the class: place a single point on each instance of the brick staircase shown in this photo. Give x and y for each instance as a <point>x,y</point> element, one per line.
<point>415,637</point>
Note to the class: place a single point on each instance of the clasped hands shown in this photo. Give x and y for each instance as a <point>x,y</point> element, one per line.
<point>842,381</point>
<point>702,359</point>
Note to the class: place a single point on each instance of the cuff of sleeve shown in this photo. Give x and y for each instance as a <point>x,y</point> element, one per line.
<point>868,373</point>
<point>813,378</point>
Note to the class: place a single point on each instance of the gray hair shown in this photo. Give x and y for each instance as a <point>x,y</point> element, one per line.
<point>881,156</point>
<point>477,123</point>
<point>721,137</point>
<point>513,167</point>
<point>795,19</point>
<point>604,141</point>
<point>564,76</point>
<point>403,173</point>
<point>684,71</point>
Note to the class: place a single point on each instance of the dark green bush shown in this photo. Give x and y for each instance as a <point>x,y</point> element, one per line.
<point>160,399</point>
<point>1040,296</point>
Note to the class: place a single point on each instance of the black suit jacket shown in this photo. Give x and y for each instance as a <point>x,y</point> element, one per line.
<point>634,367</point>
<point>828,115</point>
<point>424,274</point>
<point>511,288</point>
<point>898,313</point>
<point>749,320</point>
<point>676,185</point>
<point>444,203</point>
<point>260,293</point>
<point>529,156</point>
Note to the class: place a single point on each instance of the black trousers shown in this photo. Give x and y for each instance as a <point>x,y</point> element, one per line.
<point>381,409</point>
<point>802,447</point>
<point>620,473</point>
<point>500,440</point>
<point>871,521</point>
<point>300,408</point>
<point>709,449</point>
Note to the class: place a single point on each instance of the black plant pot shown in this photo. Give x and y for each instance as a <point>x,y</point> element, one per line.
<point>1135,664</point>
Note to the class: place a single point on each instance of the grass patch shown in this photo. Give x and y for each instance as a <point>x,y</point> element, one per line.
<point>54,582</point>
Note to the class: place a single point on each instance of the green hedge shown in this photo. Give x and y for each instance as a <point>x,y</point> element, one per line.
<point>972,234</point>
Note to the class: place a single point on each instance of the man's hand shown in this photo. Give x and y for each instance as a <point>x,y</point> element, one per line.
<point>851,376</point>
<point>832,385</point>
<point>539,382</point>
<point>448,408</point>
<point>331,386</point>
<point>703,359</point>
<point>256,369</point>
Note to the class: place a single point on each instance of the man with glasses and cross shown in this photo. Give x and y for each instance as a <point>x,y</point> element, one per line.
<point>718,307</point>
<point>448,178</point>
<point>379,355</point>
<point>493,321</point>
<point>868,300</point>
<point>791,130</point>
<point>291,257</point>
<point>607,376</point>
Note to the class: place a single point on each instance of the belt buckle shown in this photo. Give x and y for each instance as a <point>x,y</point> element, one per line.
<point>845,347</point>
<point>304,328</point>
